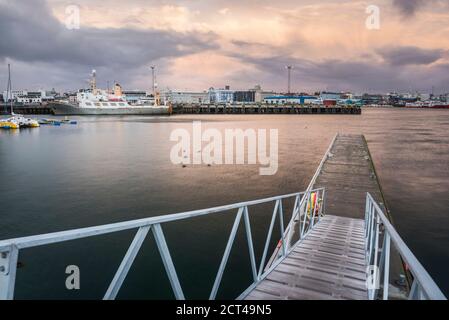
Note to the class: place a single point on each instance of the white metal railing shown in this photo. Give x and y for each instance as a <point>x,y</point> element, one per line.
<point>308,215</point>
<point>307,211</point>
<point>379,235</point>
<point>293,221</point>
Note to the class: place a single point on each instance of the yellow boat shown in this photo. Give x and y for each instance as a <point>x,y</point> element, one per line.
<point>20,121</point>
<point>8,125</point>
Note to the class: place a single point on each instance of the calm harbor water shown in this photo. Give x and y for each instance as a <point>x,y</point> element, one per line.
<point>111,169</point>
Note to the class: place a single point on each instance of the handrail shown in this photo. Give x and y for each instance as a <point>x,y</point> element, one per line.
<point>48,238</point>
<point>9,249</point>
<point>423,285</point>
<point>289,228</point>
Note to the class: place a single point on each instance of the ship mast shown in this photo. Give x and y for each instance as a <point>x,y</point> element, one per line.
<point>9,91</point>
<point>152,73</point>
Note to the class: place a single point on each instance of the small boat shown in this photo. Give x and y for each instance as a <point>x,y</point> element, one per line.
<point>4,124</point>
<point>22,122</point>
<point>16,120</point>
<point>68,121</point>
<point>51,122</point>
<point>428,104</point>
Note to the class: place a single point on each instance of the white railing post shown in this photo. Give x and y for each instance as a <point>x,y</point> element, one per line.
<point>303,212</point>
<point>168,262</point>
<point>367,205</point>
<point>413,294</point>
<point>126,263</point>
<point>224,260</point>
<point>267,241</point>
<point>281,222</point>
<point>386,269</point>
<point>249,239</point>
<point>8,269</point>
<point>376,242</point>
<point>323,207</point>
<point>371,235</point>
<point>292,221</point>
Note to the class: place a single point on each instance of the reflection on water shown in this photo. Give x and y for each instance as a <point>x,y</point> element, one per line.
<point>112,169</point>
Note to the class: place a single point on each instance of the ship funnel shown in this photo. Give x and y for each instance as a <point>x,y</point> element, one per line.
<point>117,90</point>
<point>93,83</point>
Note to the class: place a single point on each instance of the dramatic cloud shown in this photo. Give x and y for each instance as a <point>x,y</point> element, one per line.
<point>408,7</point>
<point>199,44</point>
<point>33,35</point>
<point>360,76</point>
<point>408,55</point>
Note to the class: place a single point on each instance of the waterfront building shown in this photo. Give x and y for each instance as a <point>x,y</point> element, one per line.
<point>290,99</point>
<point>255,95</point>
<point>346,95</point>
<point>380,99</point>
<point>225,95</point>
<point>248,96</point>
<point>179,96</point>
<point>326,95</point>
<point>14,94</point>
<point>30,97</point>
<point>260,95</point>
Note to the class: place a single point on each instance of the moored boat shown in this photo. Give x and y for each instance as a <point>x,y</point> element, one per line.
<point>439,105</point>
<point>23,122</point>
<point>4,124</point>
<point>428,104</point>
<point>16,121</point>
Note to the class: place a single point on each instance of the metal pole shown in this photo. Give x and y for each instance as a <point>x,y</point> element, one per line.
<point>152,74</point>
<point>386,266</point>
<point>289,70</point>
<point>9,94</point>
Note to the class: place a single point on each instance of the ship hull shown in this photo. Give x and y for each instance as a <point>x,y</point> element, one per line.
<point>443,106</point>
<point>63,109</point>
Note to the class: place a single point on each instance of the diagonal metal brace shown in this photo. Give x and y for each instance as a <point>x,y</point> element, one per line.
<point>8,268</point>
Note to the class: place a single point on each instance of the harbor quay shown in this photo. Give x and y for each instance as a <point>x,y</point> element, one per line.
<point>262,109</point>
<point>190,108</point>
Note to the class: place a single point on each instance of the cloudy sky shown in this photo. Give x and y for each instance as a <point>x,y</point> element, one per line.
<point>196,44</point>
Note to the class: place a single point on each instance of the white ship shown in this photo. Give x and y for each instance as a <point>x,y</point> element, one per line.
<point>102,102</point>
<point>432,104</point>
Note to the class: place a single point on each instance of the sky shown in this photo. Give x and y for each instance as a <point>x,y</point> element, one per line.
<point>198,44</point>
